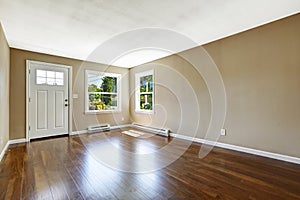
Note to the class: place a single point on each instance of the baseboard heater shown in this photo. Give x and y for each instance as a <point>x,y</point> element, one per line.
<point>159,131</point>
<point>98,128</point>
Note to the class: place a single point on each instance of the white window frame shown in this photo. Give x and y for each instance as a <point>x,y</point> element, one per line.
<point>102,74</point>
<point>137,91</point>
<point>46,78</point>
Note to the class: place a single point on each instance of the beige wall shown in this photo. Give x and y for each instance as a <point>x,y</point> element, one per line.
<point>80,119</point>
<point>261,72</point>
<point>4,90</point>
<point>182,101</point>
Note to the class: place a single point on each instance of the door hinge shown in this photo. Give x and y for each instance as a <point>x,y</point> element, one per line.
<point>29,99</point>
<point>29,71</point>
<point>29,128</point>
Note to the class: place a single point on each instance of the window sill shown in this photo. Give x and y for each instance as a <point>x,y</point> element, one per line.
<point>102,112</point>
<point>144,111</point>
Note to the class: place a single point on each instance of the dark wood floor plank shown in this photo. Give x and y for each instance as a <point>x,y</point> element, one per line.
<point>66,168</point>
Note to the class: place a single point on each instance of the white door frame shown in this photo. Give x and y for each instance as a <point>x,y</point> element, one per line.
<point>28,62</point>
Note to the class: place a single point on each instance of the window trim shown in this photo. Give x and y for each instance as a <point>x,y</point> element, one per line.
<point>86,95</point>
<point>137,91</point>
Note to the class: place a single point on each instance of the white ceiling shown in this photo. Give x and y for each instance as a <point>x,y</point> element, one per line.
<point>75,28</point>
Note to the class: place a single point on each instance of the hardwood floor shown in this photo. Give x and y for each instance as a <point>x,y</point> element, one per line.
<point>65,168</point>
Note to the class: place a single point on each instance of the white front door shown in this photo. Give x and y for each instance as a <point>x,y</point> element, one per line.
<point>48,100</point>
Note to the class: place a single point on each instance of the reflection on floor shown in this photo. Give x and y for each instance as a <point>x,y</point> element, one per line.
<point>136,133</point>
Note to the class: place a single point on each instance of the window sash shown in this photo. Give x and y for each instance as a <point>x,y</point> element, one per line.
<point>146,92</point>
<point>116,94</point>
<point>138,78</point>
<point>49,77</point>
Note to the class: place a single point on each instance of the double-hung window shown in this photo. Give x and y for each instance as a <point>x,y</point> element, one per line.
<point>144,94</point>
<point>102,91</point>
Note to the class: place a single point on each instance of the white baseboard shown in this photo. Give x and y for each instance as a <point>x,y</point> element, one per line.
<point>9,142</point>
<point>120,126</point>
<point>17,141</point>
<point>111,128</point>
<point>4,150</point>
<point>241,149</point>
<point>79,132</point>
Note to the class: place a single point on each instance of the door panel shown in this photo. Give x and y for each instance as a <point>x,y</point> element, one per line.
<point>59,107</point>
<point>42,109</point>
<point>48,106</point>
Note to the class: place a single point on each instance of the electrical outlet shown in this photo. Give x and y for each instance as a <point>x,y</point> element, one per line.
<point>223,131</point>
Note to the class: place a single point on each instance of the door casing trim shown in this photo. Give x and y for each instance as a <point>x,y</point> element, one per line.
<point>70,110</point>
